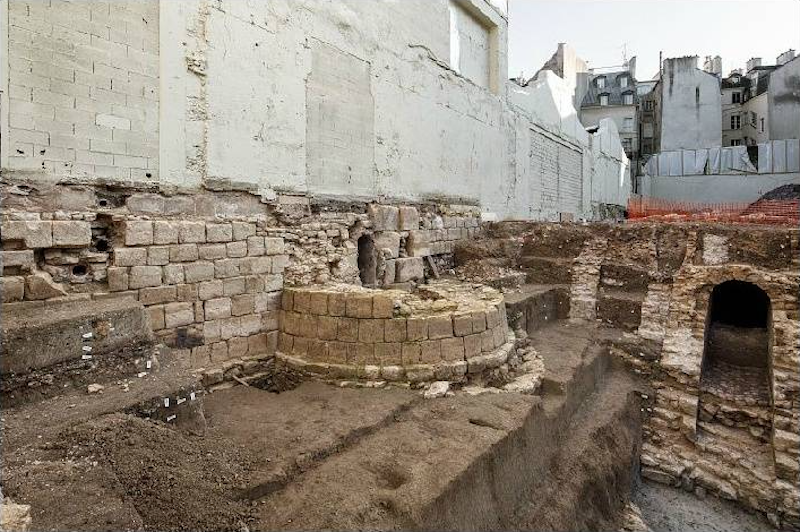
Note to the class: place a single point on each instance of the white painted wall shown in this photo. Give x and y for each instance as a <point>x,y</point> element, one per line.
<point>689,120</point>
<point>784,101</point>
<point>732,188</point>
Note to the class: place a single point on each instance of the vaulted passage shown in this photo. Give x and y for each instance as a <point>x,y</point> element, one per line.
<point>735,387</point>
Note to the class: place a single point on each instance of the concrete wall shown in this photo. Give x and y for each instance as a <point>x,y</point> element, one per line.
<point>345,98</point>
<point>83,92</point>
<point>784,101</point>
<point>715,188</point>
<point>690,106</point>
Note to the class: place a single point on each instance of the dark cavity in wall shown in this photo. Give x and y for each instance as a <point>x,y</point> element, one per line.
<point>367,261</point>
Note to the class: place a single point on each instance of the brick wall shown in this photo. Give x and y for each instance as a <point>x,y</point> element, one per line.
<point>558,169</point>
<point>83,92</point>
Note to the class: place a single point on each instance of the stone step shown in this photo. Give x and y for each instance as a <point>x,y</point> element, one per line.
<point>535,306</point>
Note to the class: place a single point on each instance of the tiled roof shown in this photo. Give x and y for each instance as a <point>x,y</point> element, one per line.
<point>612,89</point>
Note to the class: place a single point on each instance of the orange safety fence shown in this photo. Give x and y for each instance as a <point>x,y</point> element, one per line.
<point>773,212</point>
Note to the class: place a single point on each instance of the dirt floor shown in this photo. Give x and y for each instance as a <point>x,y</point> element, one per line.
<point>666,509</point>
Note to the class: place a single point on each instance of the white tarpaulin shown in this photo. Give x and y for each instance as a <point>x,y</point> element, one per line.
<point>793,155</point>
<point>688,161</point>
<point>765,158</point>
<point>779,156</point>
<point>700,161</point>
<point>725,161</point>
<point>675,163</point>
<point>714,156</point>
<point>740,160</point>
<point>663,163</point>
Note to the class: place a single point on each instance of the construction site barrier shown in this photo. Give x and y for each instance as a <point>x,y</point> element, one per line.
<point>772,212</point>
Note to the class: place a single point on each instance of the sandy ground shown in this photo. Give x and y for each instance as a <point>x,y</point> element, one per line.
<point>666,509</point>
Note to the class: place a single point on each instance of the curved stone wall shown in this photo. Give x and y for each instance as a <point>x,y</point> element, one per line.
<point>443,331</point>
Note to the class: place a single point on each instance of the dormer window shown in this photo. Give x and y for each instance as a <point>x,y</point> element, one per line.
<point>627,98</point>
<point>604,99</point>
<point>600,82</point>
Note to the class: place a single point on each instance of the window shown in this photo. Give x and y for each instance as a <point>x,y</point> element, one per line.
<point>736,142</point>
<point>648,105</point>
<point>697,95</point>
<point>736,122</point>
<point>762,125</point>
<point>627,124</point>
<point>736,97</point>
<point>627,98</point>
<point>604,99</point>
<point>600,82</point>
<point>623,81</point>
<point>627,144</point>
<point>753,119</point>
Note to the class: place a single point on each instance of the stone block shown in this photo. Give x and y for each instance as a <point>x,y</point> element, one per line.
<point>165,232</point>
<point>158,255</point>
<point>212,251</point>
<point>274,246</point>
<point>472,345</point>
<point>431,351</point>
<point>219,352</point>
<point>236,249</point>
<point>219,232</point>
<point>388,241</point>
<point>395,330</point>
<point>389,354</point>
<point>287,300</point>
<point>255,265</point>
<point>130,256</point>
<point>326,328</point>
<point>492,318</point>
<point>478,322</point>
<point>382,306</point>
<point>144,276</point>
<point>234,286</point>
<point>237,347</point>
<point>279,263</point>
<point>249,325</point>
<point>255,246</point>
<point>453,349</point>
<point>12,288</point>
<point>370,331</point>
<point>23,259</point>
<point>300,346</point>
<point>389,272</point>
<point>40,285</point>
<point>71,234</point>
<point>337,303</point>
<point>383,217</point>
<point>270,321</point>
<point>273,283</point>
<point>33,233</point>
<point>243,230</point>
<point>210,290</point>
<point>487,341</point>
<point>257,344</point>
<point>462,325</point>
<point>187,292</point>
<point>347,330</point>
<point>219,308</point>
<point>155,315</point>
<point>138,233</point>
<point>417,329</point>
<point>117,279</point>
<point>408,218</point>
<point>228,268</point>
<point>183,253</point>
<point>337,353</point>
<point>173,274</point>
<point>361,354</point>
<point>440,327</point>
<point>418,244</point>
<point>411,353</point>
<point>243,304</point>
<point>409,269</point>
<point>318,303</point>
<point>196,272</point>
<point>157,295</point>
<point>359,305</point>
<point>192,232</point>
<point>302,302</point>
<point>285,342</point>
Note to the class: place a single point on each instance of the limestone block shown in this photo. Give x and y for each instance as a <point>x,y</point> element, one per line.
<point>144,276</point>
<point>173,274</point>
<point>462,325</point>
<point>212,251</point>
<point>72,234</point>
<point>359,305</point>
<point>302,302</point>
<point>138,233</point>
<point>370,331</point>
<point>219,352</point>
<point>417,329</point>
<point>273,283</point>
<point>389,353</point>
<point>155,315</point>
<point>257,344</point>
<point>431,351</point>
<point>33,233</point>
<point>382,306</point>
<point>255,265</point>
<point>440,327</point>
<point>192,232</point>
<point>183,253</point>
<point>219,232</point>
<point>40,285</point>
<point>318,303</point>
<point>157,295</point>
<point>395,330</point>
<point>274,246</point>
<point>487,341</point>
<point>234,286</point>
<point>326,328</point>
<point>388,241</point>
<point>23,259</point>
<point>478,322</point>
<point>243,230</point>
<point>389,272</point>
<point>279,263</point>
<point>337,304</point>
<point>13,288</point>
<point>347,330</point>
<point>117,279</point>
<point>384,217</point>
<point>472,345</point>
<point>165,232</point>
<point>178,315</point>
<point>15,517</point>
<point>158,255</point>
<point>418,244</point>
<point>243,304</point>
<point>237,347</point>
<point>492,318</point>
<point>256,246</point>
<point>130,257</point>
<point>411,353</point>
<point>236,249</point>
<point>187,292</point>
<point>408,218</point>
<point>409,269</point>
<point>196,272</point>
<point>218,308</point>
<point>453,349</point>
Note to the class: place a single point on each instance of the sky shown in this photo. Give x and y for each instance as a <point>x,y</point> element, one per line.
<point>601,31</point>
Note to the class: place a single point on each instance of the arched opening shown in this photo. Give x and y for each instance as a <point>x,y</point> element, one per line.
<point>735,381</point>
<point>367,261</point>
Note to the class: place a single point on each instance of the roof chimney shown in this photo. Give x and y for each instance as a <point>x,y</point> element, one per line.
<point>753,63</point>
<point>785,57</point>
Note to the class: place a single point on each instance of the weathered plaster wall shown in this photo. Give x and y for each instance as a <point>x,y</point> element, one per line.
<point>83,88</point>
<point>784,101</point>
<point>691,108</point>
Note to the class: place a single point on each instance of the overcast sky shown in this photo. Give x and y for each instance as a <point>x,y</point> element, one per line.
<point>599,29</point>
